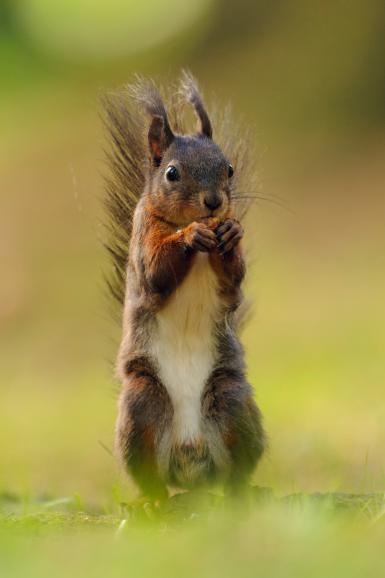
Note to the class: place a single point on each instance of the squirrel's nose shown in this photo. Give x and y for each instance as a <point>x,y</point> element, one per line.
<point>212,202</point>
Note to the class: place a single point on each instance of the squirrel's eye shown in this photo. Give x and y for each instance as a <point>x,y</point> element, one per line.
<point>172,174</point>
<point>230,171</point>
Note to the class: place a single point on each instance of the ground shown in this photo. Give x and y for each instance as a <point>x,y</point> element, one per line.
<point>196,535</point>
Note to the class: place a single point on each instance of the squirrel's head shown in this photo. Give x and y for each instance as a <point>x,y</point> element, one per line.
<point>190,178</point>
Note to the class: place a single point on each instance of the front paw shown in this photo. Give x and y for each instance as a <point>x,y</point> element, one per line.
<point>229,233</point>
<point>199,237</point>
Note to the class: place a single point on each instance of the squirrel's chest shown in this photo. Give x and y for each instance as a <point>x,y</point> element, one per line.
<point>184,344</point>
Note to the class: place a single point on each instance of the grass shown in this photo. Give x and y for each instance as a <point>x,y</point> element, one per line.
<point>300,536</point>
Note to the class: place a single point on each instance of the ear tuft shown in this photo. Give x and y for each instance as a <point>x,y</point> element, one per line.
<point>190,91</point>
<point>160,135</point>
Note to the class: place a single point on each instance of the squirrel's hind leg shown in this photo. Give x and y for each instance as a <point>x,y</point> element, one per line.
<point>230,405</point>
<point>143,411</point>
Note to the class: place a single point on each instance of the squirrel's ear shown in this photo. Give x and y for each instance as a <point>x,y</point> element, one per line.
<point>160,136</point>
<point>190,90</point>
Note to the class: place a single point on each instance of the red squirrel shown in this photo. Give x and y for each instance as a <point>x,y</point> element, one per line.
<point>186,413</point>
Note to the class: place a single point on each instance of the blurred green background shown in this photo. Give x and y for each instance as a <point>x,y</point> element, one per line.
<point>309,78</point>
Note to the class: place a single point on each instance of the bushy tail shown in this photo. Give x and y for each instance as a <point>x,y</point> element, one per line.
<point>126,122</point>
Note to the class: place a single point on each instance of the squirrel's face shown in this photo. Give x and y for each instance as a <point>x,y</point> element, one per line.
<point>190,178</point>
<point>193,181</point>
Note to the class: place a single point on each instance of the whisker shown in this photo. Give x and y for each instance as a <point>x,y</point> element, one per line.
<point>272,199</point>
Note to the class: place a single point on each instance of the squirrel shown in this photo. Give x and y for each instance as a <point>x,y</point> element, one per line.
<point>186,413</point>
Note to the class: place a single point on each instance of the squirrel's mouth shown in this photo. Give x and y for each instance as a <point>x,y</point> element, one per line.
<point>208,215</point>
<point>218,212</point>
<point>187,219</point>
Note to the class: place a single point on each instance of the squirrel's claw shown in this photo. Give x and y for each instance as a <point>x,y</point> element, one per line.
<point>200,238</point>
<point>228,234</point>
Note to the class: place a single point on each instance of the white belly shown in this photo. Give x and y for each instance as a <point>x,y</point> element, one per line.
<point>183,345</point>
